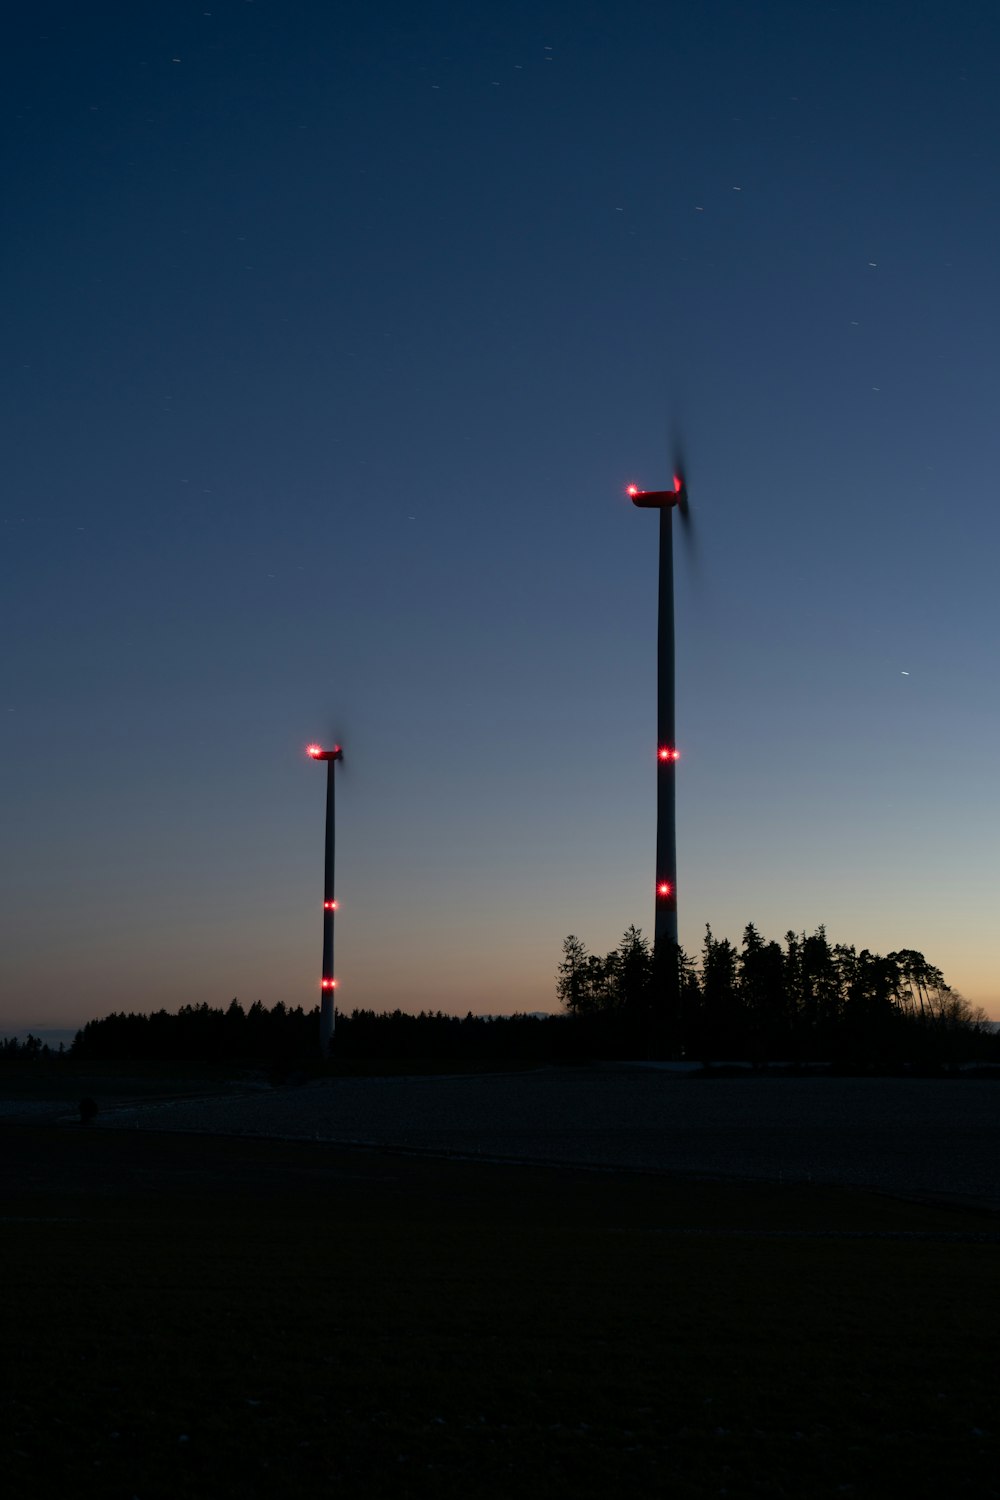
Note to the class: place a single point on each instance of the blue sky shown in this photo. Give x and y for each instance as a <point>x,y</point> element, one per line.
<point>333,335</point>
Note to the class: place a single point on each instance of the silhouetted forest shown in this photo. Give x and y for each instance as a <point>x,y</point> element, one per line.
<point>12,1050</point>
<point>281,1035</point>
<point>805,1001</point>
<point>808,1000</point>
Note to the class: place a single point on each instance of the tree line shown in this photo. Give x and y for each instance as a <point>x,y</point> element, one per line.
<point>280,1035</point>
<point>200,1032</point>
<point>802,1001</point>
<point>807,999</point>
<point>30,1050</point>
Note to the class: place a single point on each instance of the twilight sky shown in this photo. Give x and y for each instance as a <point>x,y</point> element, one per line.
<point>333,333</point>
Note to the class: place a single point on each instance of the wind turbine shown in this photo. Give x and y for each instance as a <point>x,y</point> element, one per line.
<point>328,983</point>
<point>666,979</point>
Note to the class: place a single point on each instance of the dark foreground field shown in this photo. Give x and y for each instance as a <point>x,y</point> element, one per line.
<point>196,1316</point>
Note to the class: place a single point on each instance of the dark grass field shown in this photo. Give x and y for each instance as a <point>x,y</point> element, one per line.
<point>197,1316</point>
<point>65,1081</point>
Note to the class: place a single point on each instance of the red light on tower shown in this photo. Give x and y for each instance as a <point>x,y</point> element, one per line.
<point>663,888</point>
<point>328,984</point>
<point>331,906</point>
<point>667,752</point>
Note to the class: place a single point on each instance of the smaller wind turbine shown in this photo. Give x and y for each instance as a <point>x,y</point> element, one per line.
<point>328,983</point>
<point>666,978</point>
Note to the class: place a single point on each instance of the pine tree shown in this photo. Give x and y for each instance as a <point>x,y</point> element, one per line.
<point>574,981</point>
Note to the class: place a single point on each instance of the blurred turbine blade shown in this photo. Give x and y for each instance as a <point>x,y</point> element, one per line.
<point>338,738</point>
<point>678,459</point>
<point>689,532</point>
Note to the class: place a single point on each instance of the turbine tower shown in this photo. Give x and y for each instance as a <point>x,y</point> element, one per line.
<point>666,979</point>
<point>328,983</point>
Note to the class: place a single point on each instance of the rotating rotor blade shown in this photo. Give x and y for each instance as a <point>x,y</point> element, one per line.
<point>681,481</point>
<point>337,738</point>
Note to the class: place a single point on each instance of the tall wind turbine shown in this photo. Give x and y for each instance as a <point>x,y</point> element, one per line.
<point>666,978</point>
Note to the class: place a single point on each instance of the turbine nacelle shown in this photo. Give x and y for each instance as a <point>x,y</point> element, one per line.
<point>658,499</point>
<point>316,752</point>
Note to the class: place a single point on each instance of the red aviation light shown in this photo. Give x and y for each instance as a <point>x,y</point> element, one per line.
<point>315,751</point>
<point>678,484</point>
<point>632,490</point>
<point>667,752</point>
<point>328,984</point>
<point>331,906</point>
<point>663,888</point>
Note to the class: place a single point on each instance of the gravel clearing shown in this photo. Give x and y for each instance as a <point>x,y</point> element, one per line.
<point>919,1137</point>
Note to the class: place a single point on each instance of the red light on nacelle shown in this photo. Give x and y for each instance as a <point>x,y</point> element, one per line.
<point>331,906</point>
<point>663,888</point>
<point>632,489</point>
<point>315,751</point>
<point>328,984</point>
